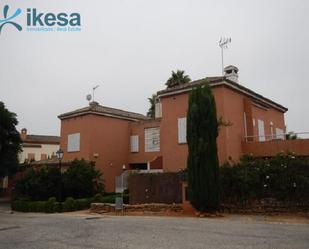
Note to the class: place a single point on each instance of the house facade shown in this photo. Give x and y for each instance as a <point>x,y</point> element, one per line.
<point>37,147</point>
<point>115,138</point>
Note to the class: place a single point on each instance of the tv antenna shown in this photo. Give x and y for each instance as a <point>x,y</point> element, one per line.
<point>223,45</point>
<point>93,89</point>
<point>89,97</point>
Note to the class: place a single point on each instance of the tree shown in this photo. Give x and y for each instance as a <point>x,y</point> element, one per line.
<point>82,180</point>
<point>291,136</point>
<point>203,164</point>
<point>10,142</point>
<point>39,185</point>
<point>177,78</point>
<point>151,111</point>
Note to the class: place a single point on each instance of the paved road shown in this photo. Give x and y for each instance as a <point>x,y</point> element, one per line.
<point>75,231</point>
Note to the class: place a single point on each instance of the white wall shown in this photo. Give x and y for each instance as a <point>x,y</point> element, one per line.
<point>48,149</point>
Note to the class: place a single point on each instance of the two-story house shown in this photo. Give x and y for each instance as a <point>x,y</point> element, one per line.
<point>113,138</point>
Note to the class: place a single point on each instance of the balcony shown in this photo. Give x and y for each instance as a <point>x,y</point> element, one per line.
<point>268,146</point>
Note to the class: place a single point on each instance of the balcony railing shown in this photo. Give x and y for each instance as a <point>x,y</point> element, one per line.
<point>297,143</point>
<point>276,137</point>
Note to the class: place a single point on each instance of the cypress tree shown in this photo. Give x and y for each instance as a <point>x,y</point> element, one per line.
<point>203,164</point>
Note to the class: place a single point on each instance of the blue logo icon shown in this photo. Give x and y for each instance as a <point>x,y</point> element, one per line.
<point>7,20</point>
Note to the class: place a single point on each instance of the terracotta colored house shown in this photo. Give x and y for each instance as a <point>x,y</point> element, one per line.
<point>114,138</point>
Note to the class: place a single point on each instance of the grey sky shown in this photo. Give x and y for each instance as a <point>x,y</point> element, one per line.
<point>129,47</point>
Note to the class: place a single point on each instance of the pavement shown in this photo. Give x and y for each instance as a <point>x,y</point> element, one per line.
<point>84,230</point>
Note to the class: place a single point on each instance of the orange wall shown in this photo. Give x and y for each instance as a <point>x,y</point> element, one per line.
<point>267,115</point>
<point>108,137</point>
<point>272,148</point>
<point>174,107</point>
<point>231,107</point>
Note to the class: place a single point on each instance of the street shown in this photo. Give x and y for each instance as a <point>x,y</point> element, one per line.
<point>75,230</point>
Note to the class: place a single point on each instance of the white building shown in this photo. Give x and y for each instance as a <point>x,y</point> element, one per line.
<point>38,147</point>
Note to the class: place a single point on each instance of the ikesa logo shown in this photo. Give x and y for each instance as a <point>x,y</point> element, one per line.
<point>37,21</point>
<point>34,18</point>
<point>7,19</point>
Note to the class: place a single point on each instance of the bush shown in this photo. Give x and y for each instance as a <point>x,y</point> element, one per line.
<point>39,185</point>
<point>81,180</point>
<point>50,205</point>
<point>284,178</point>
<point>69,205</point>
<point>82,203</point>
<point>98,198</point>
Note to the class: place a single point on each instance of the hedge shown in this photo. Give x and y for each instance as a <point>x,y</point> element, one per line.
<point>70,204</point>
<point>284,178</point>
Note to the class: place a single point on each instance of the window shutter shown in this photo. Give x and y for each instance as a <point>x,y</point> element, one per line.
<point>152,139</point>
<point>182,130</point>
<point>158,110</point>
<point>134,143</point>
<point>279,134</point>
<point>74,142</point>
<point>261,130</point>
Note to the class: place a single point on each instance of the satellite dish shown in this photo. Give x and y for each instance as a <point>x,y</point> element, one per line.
<point>88,97</point>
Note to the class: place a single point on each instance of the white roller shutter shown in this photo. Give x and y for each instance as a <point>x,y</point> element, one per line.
<point>158,110</point>
<point>74,142</point>
<point>182,130</point>
<point>134,143</point>
<point>261,130</point>
<point>152,139</point>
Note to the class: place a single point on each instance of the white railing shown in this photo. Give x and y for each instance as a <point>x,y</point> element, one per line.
<point>274,137</point>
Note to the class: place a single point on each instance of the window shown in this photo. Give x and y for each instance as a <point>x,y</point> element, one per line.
<point>182,130</point>
<point>31,156</point>
<point>158,110</point>
<point>43,156</point>
<point>152,139</point>
<point>279,133</point>
<point>134,143</point>
<point>271,130</point>
<point>74,142</point>
<point>261,130</point>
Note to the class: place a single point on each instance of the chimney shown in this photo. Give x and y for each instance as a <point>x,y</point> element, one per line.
<point>231,73</point>
<point>23,134</point>
<point>93,104</point>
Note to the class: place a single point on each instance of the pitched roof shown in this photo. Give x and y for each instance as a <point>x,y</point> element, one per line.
<point>95,108</point>
<point>221,81</point>
<point>40,139</point>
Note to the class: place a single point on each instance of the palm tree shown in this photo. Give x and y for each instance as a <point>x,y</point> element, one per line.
<point>177,79</point>
<point>151,111</point>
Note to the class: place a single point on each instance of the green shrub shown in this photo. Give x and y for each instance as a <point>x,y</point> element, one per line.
<point>82,203</point>
<point>69,205</point>
<point>50,205</point>
<point>81,180</point>
<point>98,198</point>
<point>20,205</point>
<point>284,178</point>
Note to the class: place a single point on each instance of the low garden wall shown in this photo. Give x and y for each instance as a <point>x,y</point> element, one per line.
<point>151,207</point>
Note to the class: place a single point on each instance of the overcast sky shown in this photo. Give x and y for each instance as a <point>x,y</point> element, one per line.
<point>130,47</point>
